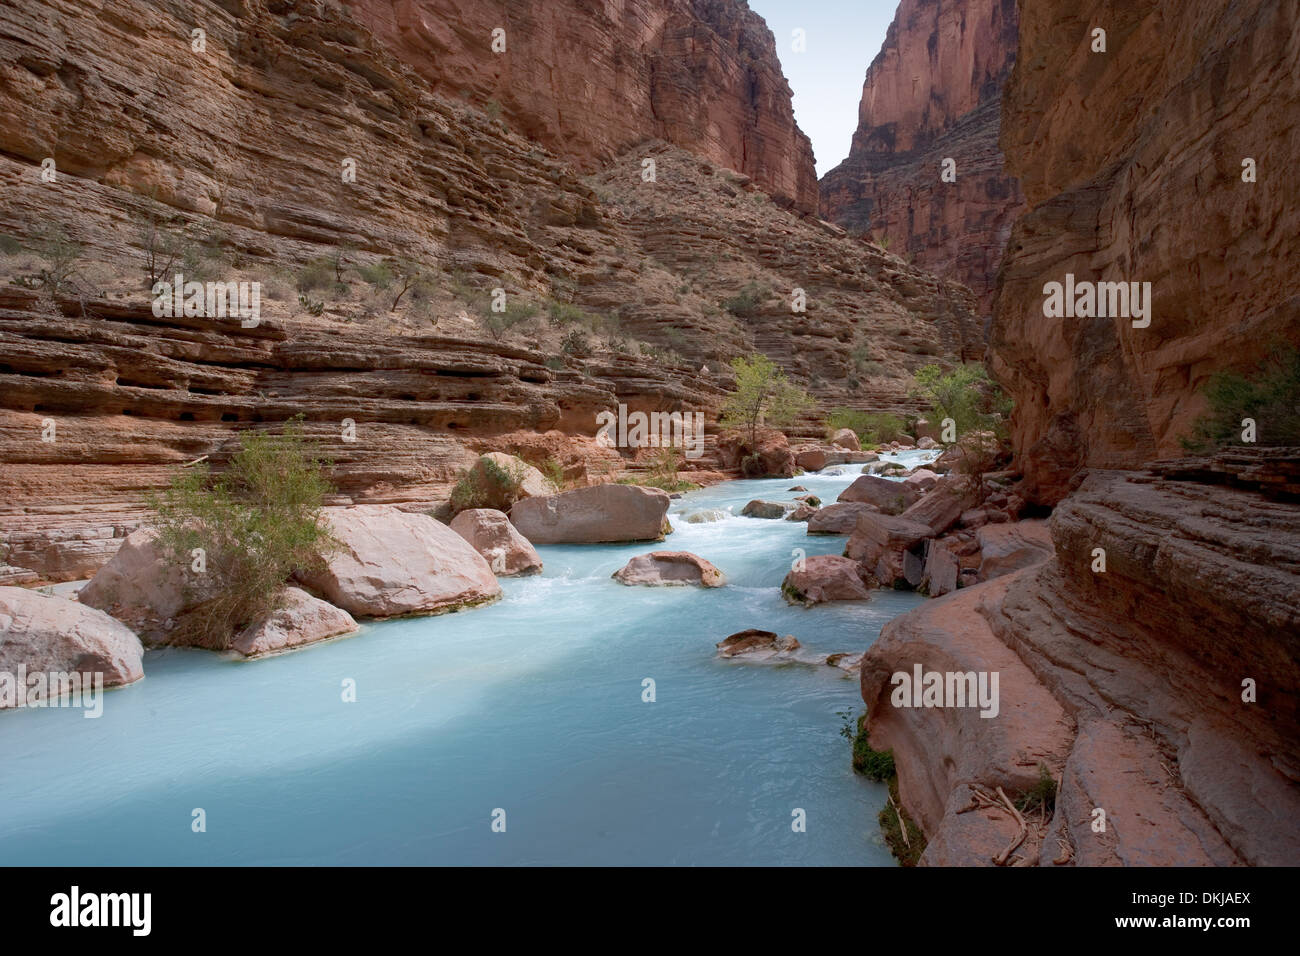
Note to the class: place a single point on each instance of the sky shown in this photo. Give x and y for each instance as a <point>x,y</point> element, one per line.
<point>842,37</point>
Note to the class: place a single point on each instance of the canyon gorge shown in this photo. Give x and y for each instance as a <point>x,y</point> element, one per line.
<point>631,178</point>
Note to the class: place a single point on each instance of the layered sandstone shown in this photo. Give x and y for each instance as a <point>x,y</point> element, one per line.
<point>1159,686</point>
<point>1131,164</point>
<point>933,93</point>
<point>589,80</point>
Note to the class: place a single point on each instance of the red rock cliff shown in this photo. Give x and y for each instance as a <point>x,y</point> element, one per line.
<point>934,91</point>
<point>589,78</point>
<point>1131,161</point>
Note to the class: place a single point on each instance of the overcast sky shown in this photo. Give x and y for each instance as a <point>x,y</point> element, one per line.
<point>843,37</point>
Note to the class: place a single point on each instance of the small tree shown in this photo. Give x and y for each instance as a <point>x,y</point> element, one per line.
<point>763,395</point>
<point>1269,396</point>
<point>51,243</point>
<point>257,522</point>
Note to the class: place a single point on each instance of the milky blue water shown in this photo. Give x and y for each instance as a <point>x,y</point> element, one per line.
<point>532,706</point>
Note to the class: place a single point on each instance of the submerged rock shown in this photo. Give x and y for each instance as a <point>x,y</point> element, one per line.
<point>491,534</point>
<point>394,562</point>
<point>759,508</point>
<point>670,568</point>
<point>758,645</point>
<point>299,619</point>
<point>600,513</point>
<point>706,516</point>
<point>52,635</point>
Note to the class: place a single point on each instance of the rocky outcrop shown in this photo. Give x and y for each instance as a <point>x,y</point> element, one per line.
<point>1147,667</point>
<point>491,534</point>
<point>54,636</point>
<point>758,508</point>
<point>822,578</point>
<point>1009,547</point>
<point>588,81</point>
<point>299,619</point>
<point>659,568</point>
<point>758,645</point>
<point>1132,167</point>
<point>934,93</point>
<point>391,563</point>
<point>601,513</point>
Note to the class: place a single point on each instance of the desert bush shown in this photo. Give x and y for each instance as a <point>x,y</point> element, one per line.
<point>575,343</point>
<point>257,522</point>
<point>1269,395</point>
<point>872,428</point>
<point>747,302</point>
<point>60,256</point>
<point>486,485</point>
<point>499,324</point>
<point>319,273</point>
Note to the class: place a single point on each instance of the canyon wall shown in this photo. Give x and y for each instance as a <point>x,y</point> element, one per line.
<point>1150,666</point>
<point>1131,163</point>
<point>241,145</point>
<point>933,92</point>
<point>589,78</point>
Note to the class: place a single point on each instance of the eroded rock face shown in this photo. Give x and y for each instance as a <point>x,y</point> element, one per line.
<point>593,515</point>
<point>589,81</point>
<point>1149,189</point>
<point>53,635</point>
<point>670,568</point>
<point>394,563</point>
<point>1009,547</point>
<point>934,92</point>
<point>300,619</point>
<point>491,534</point>
<point>1129,680</point>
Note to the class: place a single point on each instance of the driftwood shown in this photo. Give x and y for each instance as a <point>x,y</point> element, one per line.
<point>902,827</point>
<point>1001,858</point>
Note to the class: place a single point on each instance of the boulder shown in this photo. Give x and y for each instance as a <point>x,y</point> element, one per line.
<point>839,518</point>
<point>925,443</point>
<point>526,481</point>
<point>768,509</point>
<point>1009,547</point>
<point>885,468</point>
<point>923,479</point>
<point>599,513</point>
<point>670,568</point>
<point>810,459</point>
<point>706,516</point>
<point>846,438</point>
<point>491,534</point>
<point>824,577</point>
<point>144,590</point>
<point>852,663</point>
<point>298,620</point>
<point>802,512</point>
<point>392,562</point>
<point>886,547</point>
<point>768,457</point>
<point>940,508</point>
<point>925,430</point>
<point>891,497</point>
<point>52,635</point>
<point>758,645</point>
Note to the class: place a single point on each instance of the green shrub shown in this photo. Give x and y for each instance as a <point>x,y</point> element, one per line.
<point>966,395</point>
<point>872,428</point>
<point>377,275</point>
<point>747,302</point>
<point>1042,794</point>
<point>257,523</point>
<point>499,324</point>
<point>762,394</point>
<point>576,343</point>
<point>875,764</point>
<point>1270,395</point>
<point>487,485</point>
<point>316,274</point>
<point>562,314</point>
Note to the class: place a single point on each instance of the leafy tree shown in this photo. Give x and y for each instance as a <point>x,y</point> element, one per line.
<point>763,395</point>
<point>966,395</point>
<point>257,522</point>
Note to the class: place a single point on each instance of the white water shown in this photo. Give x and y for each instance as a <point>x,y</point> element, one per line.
<point>532,705</point>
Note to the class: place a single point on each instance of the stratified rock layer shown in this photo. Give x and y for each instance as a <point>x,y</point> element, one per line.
<point>1164,679</point>
<point>934,93</point>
